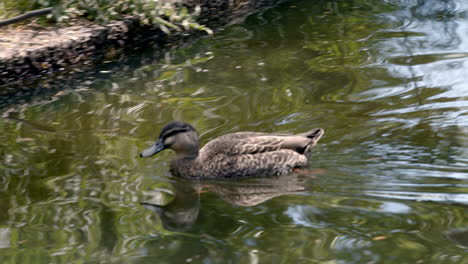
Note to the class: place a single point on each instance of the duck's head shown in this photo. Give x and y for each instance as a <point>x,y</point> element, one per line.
<point>178,136</point>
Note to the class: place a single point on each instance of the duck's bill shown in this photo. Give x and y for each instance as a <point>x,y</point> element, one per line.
<point>154,149</point>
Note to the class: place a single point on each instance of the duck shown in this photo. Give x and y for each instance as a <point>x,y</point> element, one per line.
<point>234,155</point>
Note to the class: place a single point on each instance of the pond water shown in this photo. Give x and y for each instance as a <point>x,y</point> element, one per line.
<point>388,183</point>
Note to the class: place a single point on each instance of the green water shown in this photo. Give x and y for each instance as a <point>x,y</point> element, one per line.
<point>387,80</point>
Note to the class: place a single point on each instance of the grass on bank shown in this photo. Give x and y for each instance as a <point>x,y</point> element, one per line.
<point>168,15</point>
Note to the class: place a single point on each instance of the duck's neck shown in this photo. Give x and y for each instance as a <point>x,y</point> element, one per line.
<point>186,155</point>
<point>184,166</point>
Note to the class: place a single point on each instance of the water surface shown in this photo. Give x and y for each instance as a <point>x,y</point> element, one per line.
<point>388,183</point>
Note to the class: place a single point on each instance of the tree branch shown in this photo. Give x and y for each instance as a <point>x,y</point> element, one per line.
<point>25,16</point>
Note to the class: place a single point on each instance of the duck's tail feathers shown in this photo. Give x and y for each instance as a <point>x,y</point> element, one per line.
<point>314,135</point>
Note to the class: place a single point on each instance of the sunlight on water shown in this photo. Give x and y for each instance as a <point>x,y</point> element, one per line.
<point>388,182</point>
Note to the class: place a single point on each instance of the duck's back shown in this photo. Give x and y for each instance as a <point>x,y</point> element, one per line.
<point>249,154</point>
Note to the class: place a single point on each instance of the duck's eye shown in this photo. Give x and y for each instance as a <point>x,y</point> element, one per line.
<point>168,141</point>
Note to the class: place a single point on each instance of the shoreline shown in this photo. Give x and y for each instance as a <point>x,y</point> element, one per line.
<point>29,54</point>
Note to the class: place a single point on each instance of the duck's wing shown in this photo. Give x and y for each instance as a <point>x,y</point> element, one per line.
<point>254,145</point>
<point>241,135</point>
<point>264,164</point>
<point>268,143</point>
<point>249,134</point>
<point>254,142</point>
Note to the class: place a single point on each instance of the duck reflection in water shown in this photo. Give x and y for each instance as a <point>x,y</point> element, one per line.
<point>182,212</point>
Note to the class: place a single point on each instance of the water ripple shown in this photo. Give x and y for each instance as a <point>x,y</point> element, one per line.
<point>460,198</point>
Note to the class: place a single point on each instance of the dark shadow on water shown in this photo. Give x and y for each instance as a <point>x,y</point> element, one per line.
<point>459,236</point>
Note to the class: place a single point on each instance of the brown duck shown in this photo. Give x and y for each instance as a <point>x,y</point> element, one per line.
<point>236,155</point>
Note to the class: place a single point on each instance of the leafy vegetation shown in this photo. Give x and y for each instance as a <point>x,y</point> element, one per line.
<point>166,15</point>
<point>10,8</point>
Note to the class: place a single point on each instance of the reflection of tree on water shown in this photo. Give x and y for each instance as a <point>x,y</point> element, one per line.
<point>182,212</point>
<point>430,62</point>
<point>442,16</point>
